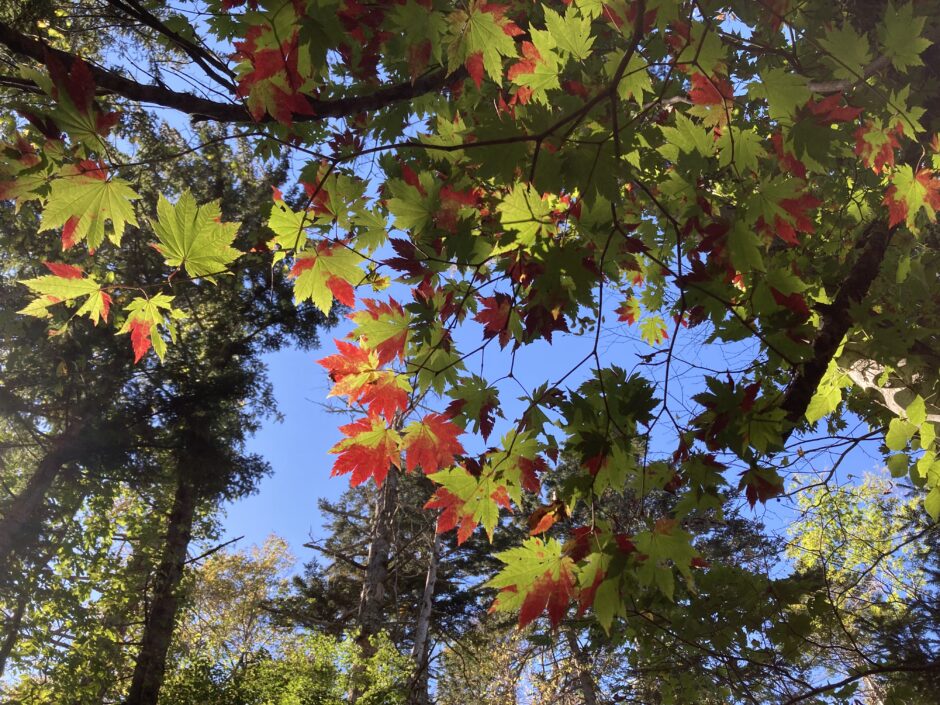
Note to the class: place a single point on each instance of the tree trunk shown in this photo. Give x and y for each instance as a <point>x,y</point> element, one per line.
<point>12,631</point>
<point>372,597</point>
<point>585,679</point>
<point>24,514</point>
<point>421,649</point>
<point>158,629</point>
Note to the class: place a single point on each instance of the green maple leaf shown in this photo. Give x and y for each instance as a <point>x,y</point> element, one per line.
<point>664,546</point>
<point>412,209</point>
<point>476,494</point>
<point>194,237</point>
<point>473,31</point>
<point>744,246</point>
<point>54,289</point>
<point>524,212</point>
<point>316,270</point>
<point>91,201</point>
<point>901,36</point>
<point>525,566</point>
<point>544,74</point>
<point>743,148</point>
<point>636,81</point>
<point>653,330</point>
<point>156,311</point>
<point>289,226</point>
<point>849,52</point>
<point>687,137</point>
<point>571,33</point>
<point>784,92</point>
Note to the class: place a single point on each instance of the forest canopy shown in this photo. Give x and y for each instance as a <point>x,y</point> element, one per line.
<point>637,360</point>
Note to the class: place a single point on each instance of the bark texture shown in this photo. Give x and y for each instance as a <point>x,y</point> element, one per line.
<point>158,629</point>
<point>837,319</point>
<point>372,598</point>
<point>23,517</point>
<point>421,651</point>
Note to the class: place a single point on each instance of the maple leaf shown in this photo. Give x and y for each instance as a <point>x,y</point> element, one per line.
<point>194,237</point>
<point>712,90</point>
<point>76,111</point>
<point>66,271</point>
<point>326,272</point>
<point>876,145</point>
<point>140,337</point>
<point>67,283</point>
<point>475,400</point>
<point>480,37</point>
<point>908,193</point>
<point>544,518</point>
<point>653,330</point>
<point>145,317</point>
<point>474,64</point>
<point>383,325</point>
<point>495,316</point>
<point>83,199</point>
<point>629,311</point>
<point>431,444</point>
<point>357,376</point>
<point>797,218</point>
<point>761,484</point>
<point>787,160</point>
<point>467,500</point>
<point>828,110</point>
<point>537,578</point>
<point>369,450</point>
<point>452,514</point>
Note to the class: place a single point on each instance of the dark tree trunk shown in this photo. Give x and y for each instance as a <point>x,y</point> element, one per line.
<point>421,651</point>
<point>585,679</point>
<point>11,631</point>
<point>372,598</point>
<point>23,519</point>
<point>158,628</point>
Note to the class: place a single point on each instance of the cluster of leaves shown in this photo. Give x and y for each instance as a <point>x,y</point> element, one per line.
<point>712,166</point>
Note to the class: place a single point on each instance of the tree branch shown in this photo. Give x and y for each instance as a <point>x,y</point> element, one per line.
<point>837,319</point>
<point>887,668</point>
<point>204,109</point>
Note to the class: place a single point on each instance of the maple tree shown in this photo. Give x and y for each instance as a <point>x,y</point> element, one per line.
<point>476,182</point>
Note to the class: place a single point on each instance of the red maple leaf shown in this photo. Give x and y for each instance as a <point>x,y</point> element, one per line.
<point>105,305</point>
<point>474,64</point>
<point>450,506</point>
<point>828,110</point>
<point>529,470</point>
<point>710,90</point>
<point>495,317</point>
<point>356,374</point>
<point>66,271</point>
<point>140,337</point>
<point>549,594</point>
<point>897,209</point>
<point>431,444</point>
<point>759,488</point>
<point>68,232</point>
<point>628,311</point>
<point>527,64</point>
<point>930,181</point>
<point>342,291</point>
<point>877,158</point>
<point>787,160</point>
<point>368,450</point>
<point>795,302</point>
<point>393,346</point>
